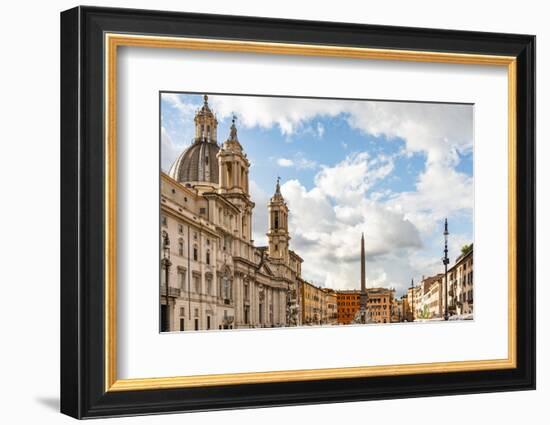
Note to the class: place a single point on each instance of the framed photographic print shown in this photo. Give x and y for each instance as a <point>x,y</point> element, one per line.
<point>261,212</point>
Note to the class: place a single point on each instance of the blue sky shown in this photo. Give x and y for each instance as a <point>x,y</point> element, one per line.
<point>392,170</point>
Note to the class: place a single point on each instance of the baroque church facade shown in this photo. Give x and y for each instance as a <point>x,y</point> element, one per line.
<point>217,278</point>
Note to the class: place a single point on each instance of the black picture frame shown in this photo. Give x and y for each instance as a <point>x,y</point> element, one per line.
<point>83,392</point>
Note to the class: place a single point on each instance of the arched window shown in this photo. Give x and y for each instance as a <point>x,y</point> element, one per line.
<point>229,175</point>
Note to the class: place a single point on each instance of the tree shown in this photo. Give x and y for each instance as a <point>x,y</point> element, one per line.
<point>466,249</point>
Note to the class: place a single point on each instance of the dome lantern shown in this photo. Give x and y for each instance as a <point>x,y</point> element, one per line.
<point>206,124</point>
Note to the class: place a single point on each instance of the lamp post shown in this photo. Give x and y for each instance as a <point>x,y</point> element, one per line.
<point>445,263</point>
<point>166,263</point>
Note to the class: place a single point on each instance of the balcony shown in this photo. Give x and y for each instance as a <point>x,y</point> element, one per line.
<point>172,292</point>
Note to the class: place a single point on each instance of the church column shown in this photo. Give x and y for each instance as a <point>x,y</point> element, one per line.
<point>252,291</point>
<point>222,174</point>
<point>240,300</point>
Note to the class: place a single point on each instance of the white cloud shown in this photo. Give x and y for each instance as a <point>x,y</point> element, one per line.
<point>169,149</point>
<point>440,192</point>
<point>299,161</point>
<point>186,109</point>
<point>326,223</point>
<point>288,114</point>
<point>351,178</point>
<point>259,216</point>
<point>320,130</point>
<point>438,130</point>
<point>302,163</point>
<point>285,162</point>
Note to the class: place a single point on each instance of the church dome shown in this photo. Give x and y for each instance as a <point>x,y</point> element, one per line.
<point>198,163</point>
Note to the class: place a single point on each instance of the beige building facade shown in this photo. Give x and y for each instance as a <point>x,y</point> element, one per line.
<point>461,284</point>
<point>217,277</point>
<point>329,307</point>
<point>429,295</point>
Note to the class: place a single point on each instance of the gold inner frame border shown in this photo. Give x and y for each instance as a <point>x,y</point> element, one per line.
<point>112,41</point>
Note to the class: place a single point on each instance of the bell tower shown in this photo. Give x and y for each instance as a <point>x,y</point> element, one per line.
<point>233,178</point>
<point>277,234</point>
<point>234,165</point>
<point>206,124</point>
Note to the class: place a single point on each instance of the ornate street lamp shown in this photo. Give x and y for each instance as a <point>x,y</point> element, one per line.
<point>445,263</point>
<point>166,263</point>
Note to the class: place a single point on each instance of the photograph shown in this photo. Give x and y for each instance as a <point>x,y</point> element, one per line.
<point>280,212</point>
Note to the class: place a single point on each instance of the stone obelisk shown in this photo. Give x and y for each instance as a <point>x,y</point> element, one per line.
<point>363,298</point>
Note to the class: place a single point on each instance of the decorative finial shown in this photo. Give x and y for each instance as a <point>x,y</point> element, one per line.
<point>233,131</point>
<point>206,99</point>
<point>278,186</point>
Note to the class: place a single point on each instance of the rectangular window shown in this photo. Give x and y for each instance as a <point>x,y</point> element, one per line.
<point>226,243</point>
<point>208,257</point>
<point>182,311</point>
<point>181,279</point>
<point>197,284</point>
<point>195,254</point>
<point>180,248</point>
<point>182,324</point>
<point>209,286</point>
<point>180,228</point>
